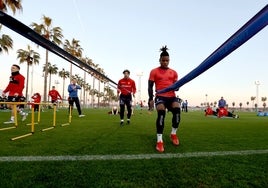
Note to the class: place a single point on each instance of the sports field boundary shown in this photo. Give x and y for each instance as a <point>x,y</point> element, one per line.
<point>129,157</point>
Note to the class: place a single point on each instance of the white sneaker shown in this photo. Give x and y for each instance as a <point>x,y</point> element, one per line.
<point>82,115</point>
<point>9,122</point>
<point>24,116</point>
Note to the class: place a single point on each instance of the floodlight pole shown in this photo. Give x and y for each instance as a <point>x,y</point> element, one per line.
<point>57,83</point>
<point>257,83</point>
<point>139,74</point>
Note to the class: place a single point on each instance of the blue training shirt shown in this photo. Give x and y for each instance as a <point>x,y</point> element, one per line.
<point>72,89</point>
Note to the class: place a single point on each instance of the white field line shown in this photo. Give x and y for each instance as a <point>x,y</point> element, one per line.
<point>129,157</point>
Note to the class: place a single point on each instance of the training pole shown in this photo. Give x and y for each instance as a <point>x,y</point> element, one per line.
<point>252,27</point>
<point>39,113</point>
<point>14,108</point>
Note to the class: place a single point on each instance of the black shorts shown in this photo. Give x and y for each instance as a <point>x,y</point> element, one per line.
<point>54,102</point>
<point>13,99</point>
<point>167,101</point>
<point>16,99</point>
<point>125,100</point>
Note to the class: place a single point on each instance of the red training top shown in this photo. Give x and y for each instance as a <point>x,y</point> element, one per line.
<point>36,98</point>
<point>209,111</point>
<point>163,78</point>
<point>126,86</point>
<point>54,94</point>
<point>15,85</point>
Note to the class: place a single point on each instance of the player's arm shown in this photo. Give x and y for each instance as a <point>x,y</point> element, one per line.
<point>150,89</point>
<point>150,93</point>
<point>21,84</point>
<point>118,89</point>
<point>134,88</point>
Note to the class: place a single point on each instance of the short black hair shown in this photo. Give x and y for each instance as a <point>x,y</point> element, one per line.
<point>163,51</point>
<point>126,71</point>
<point>16,66</point>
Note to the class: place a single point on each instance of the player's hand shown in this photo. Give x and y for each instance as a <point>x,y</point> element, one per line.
<point>151,105</point>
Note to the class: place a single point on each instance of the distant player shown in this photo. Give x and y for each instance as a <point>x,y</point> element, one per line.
<point>36,99</point>
<point>125,89</point>
<point>54,94</point>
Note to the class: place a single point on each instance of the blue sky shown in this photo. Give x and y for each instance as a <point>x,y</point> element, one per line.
<point>120,34</point>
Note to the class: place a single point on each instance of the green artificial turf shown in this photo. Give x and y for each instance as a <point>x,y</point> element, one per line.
<point>100,134</point>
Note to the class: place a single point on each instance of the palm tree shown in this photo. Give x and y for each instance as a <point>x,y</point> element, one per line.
<point>263,99</point>
<point>53,34</point>
<point>252,99</point>
<point>264,105</point>
<point>109,94</point>
<point>52,69</point>
<point>233,103</point>
<point>74,49</point>
<point>63,74</point>
<point>6,42</point>
<point>87,89</point>
<point>87,61</point>
<point>30,57</point>
<point>14,5</point>
<point>240,104</point>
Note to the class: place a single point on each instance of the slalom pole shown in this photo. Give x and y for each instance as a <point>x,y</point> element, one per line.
<point>70,114</point>
<point>32,123</point>
<point>32,111</point>
<point>54,115</point>
<point>14,108</point>
<point>39,113</point>
<point>252,27</point>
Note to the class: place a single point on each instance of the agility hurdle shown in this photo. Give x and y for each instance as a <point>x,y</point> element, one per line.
<point>54,120</point>
<point>32,128</point>
<point>38,114</point>
<point>70,117</point>
<point>14,108</point>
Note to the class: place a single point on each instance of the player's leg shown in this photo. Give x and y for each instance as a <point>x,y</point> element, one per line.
<point>129,110</point>
<point>176,113</point>
<point>122,101</point>
<point>160,122</point>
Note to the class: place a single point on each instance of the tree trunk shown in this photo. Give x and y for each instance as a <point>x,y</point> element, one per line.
<point>45,78</point>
